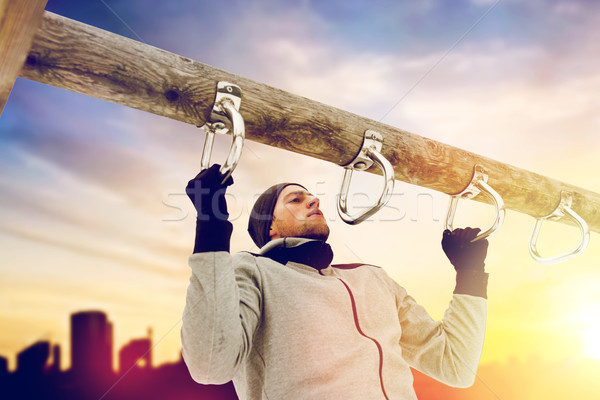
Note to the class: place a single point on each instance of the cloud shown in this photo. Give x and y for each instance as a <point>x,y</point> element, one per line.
<point>64,209</point>
<point>483,96</point>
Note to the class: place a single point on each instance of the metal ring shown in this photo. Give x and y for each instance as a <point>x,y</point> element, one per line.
<point>227,104</point>
<point>368,154</point>
<point>563,208</point>
<point>478,185</point>
<point>237,143</point>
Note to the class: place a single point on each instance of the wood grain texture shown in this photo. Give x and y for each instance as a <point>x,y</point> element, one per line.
<point>19,21</point>
<point>77,57</point>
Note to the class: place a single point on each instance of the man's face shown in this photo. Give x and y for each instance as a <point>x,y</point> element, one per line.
<point>297,214</point>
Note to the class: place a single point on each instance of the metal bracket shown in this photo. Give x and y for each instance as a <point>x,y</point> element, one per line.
<point>368,154</point>
<point>372,140</point>
<point>223,117</point>
<point>477,186</point>
<point>562,210</point>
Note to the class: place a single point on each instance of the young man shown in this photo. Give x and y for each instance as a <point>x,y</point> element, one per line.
<point>286,324</point>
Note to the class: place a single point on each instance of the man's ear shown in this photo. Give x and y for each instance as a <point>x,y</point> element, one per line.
<point>273,231</point>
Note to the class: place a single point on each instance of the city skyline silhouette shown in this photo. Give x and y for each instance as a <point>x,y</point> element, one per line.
<point>91,374</point>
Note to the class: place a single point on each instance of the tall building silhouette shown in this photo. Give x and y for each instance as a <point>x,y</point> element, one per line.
<point>3,372</point>
<point>56,358</point>
<point>137,354</point>
<point>3,366</point>
<point>91,344</point>
<point>33,359</point>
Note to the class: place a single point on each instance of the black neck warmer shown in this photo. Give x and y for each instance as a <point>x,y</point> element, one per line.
<point>314,253</point>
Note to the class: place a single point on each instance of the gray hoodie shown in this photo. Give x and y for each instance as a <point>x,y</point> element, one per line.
<point>342,332</point>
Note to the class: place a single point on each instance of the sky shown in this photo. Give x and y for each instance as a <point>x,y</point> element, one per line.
<point>93,213</point>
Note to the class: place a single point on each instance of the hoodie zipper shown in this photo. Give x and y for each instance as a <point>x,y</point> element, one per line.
<point>360,331</point>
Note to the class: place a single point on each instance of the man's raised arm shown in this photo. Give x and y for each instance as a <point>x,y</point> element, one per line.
<point>223,301</point>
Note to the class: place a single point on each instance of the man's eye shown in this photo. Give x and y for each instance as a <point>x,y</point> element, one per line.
<point>295,200</point>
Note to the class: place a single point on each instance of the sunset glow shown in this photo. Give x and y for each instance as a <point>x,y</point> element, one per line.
<point>591,335</point>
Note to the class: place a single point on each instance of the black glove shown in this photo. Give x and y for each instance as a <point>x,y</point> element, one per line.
<point>468,259</point>
<point>462,253</point>
<point>207,193</point>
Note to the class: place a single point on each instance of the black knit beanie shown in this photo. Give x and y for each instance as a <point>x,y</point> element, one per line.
<point>262,214</point>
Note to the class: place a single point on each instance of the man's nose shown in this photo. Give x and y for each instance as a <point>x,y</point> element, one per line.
<point>313,202</point>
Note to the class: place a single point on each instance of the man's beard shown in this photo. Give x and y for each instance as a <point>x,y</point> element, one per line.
<point>318,233</point>
<point>307,231</point>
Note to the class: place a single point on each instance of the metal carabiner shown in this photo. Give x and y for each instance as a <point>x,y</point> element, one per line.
<point>225,112</point>
<point>478,185</point>
<point>369,153</point>
<point>563,209</point>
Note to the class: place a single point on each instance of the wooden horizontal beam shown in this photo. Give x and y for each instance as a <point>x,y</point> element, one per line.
<point>19,21</point>
<point>84,59</point>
